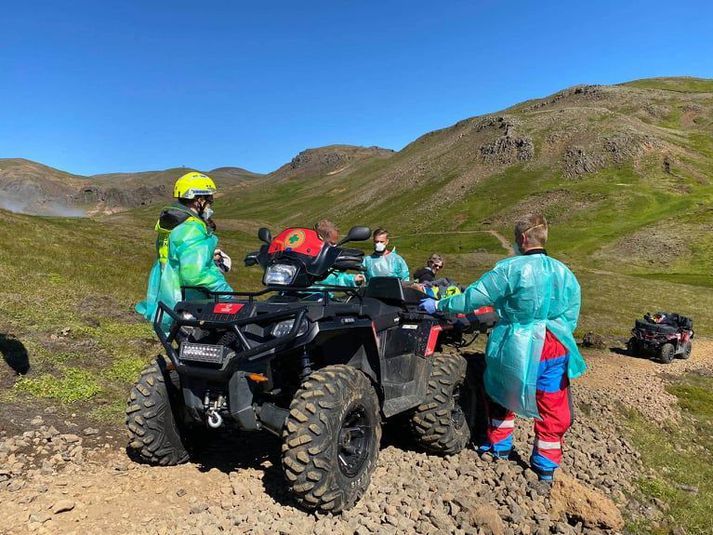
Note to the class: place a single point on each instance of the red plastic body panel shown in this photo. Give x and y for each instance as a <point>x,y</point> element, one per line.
<point>299,240</point>
<point>227,308</point>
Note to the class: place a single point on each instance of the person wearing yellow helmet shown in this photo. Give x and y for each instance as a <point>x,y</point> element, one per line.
<point>187,251</point>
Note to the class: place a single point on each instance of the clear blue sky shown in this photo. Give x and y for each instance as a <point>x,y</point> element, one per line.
<point>99,86</point>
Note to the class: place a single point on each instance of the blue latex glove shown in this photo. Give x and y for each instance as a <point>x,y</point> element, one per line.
<point>428,305</point>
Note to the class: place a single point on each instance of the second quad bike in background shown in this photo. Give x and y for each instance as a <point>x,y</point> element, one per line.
<point>321,367</point>
<point>663,335</point>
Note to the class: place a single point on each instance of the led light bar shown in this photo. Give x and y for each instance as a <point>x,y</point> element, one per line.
<point>209,353</point>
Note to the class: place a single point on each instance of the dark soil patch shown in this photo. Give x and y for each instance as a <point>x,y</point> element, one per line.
<point>15,418</point>
<point>94,308</point>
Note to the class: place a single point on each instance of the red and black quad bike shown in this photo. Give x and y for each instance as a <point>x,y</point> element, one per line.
<point>663,335</point>
<point>321,367</point>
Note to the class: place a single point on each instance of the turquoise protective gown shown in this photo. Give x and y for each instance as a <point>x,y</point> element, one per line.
<point>531,293</point>
<point>338,278</point>
<point>185,258</point>
<point>386,265</point>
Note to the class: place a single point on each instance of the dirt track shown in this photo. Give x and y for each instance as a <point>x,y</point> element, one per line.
<point>640,383</point>
<point>237,486</point>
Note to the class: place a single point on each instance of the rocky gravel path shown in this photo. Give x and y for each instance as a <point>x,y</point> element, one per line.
<point>640,383</point>
<point>52,482</point>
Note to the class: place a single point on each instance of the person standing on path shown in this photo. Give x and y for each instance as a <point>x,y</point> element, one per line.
<point>531,354</point>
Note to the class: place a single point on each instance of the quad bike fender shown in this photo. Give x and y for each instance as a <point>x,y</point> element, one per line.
<point>240,401</point>
<point>360,349</point>
<point>366,359</point>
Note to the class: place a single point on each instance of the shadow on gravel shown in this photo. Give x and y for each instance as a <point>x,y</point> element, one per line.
<point>14,354</point>
<point>624,353</point>
<point>235,451</point>
<point>471,400</point>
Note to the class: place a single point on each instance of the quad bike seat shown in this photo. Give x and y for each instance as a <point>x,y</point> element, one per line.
<point>671,323</point>
<point>392,291</point>
<point>664,328</point>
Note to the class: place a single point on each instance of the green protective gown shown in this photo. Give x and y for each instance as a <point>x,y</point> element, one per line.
<point>336,278</point>
<point>386,265</point>
<point>531,293</point>
<point>184,249</point>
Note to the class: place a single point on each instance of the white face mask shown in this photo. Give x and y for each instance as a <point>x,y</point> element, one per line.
<point>207,213</point>
<point>379,247</point>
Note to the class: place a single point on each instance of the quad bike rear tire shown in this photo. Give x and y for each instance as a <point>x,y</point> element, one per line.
<point>667,353</point>
<point>439,424</point>
<point>686,354</point>
<point>155,436</point>
<point>331,439</point>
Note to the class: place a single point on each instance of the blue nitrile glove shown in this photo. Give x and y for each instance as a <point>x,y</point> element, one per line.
<point>428,305</point>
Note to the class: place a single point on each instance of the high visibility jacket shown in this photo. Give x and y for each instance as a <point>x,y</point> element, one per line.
<point>532,293</point>
<point>184,257</point>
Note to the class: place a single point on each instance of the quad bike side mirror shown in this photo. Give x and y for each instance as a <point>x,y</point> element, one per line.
<point>357,234</point>
<point>264,235</point>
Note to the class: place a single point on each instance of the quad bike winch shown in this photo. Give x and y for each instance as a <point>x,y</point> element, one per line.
<point>323,368</point>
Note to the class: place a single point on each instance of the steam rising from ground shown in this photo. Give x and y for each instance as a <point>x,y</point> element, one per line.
<point>39,208</point>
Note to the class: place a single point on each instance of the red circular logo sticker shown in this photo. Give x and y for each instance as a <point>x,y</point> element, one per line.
<point>295,239</point>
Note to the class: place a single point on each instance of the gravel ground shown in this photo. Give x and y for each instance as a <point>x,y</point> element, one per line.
<point>52,482</point>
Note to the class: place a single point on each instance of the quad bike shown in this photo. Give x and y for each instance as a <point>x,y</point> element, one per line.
<point>321,367</point>
<point>663,335</point>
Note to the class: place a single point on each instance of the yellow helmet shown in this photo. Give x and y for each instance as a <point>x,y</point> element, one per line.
<point>193,184</point>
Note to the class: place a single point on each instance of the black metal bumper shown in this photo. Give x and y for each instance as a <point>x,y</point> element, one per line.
<point>250,351</point>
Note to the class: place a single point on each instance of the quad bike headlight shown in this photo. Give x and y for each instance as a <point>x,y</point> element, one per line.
<point>280,274</point>
<point>209,353</point>
<point>284,327</point>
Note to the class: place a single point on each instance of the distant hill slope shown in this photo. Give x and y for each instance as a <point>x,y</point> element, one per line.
<point>332,160</point>
<point>117,191</point>
<point>623,172</point>
<point>33,188</point>
<point>26,186</point>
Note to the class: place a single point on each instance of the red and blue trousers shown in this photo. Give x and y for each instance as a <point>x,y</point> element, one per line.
<point>554,403</point>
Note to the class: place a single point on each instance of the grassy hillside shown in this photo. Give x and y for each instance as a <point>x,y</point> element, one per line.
<point>67,290</point>
<point>622,172</point>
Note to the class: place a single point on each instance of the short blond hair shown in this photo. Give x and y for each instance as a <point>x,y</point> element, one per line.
<point>534,226</point>
<point>326,229</point>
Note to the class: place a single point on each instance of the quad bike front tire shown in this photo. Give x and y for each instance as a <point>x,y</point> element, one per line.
<point>633,347</point>
<point>439,424</point>
<point>667,353</point>
<point>686,353</point>
<point>331,439</point>
<point>155,436</point>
